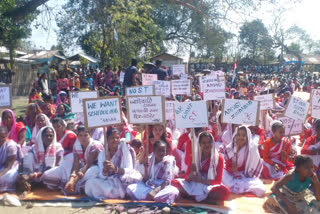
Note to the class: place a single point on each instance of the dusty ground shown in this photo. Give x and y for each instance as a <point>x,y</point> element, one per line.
<point>50,210</point>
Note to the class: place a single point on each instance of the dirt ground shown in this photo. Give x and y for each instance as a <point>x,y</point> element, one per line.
<point>50,210</point>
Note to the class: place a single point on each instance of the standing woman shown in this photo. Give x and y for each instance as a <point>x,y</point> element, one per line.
<point>243,164</point>
<point>203,179</point>
<point>43,84</point>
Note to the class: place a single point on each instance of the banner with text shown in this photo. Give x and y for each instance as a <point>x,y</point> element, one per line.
<point>140,90</point>
<point>162,87</point>
<point>181,87</point>
<point>170,107</point>
<point>76,98</point>
<point>178,69</point>
<point>266,101</point>
<point>191,114</point>
<point>5,97</point>
<point>290,130</point>
<point>297,109</point>
<point>315,103</point>
<point>148,78</point>
<point>213,88</point>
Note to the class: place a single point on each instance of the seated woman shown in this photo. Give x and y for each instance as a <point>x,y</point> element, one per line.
<point>222,133</point>
<point>62,98</point>
<point>243,164</point>
<point>64,112</point>
<point>276,152</point>
<point>45,154</point>
<point>32,111</point>
<point>156,177</point>
<point>203,179</point>
<point>8,120</point>
<point>290,191</point>
<point>41,121</point>
<point>116,174</point>
<point>10,155</point>
<point>312,146</point>
<point>85,160</point>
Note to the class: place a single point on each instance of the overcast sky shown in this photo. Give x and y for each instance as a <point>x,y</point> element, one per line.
<point>305,14</point>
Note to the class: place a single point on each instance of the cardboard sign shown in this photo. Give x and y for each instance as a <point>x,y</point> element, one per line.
<point>170,107</point>
<point>315,103</point>
<point>297,109</point>
<point>146,110</point>
<point>213,88</point>
<point>191,114</point>
<point>184,76</point>
<point>77,97</point>
<point>290,130</point>
<point>121,79</point>
<point>101,112</point>
<point>242,112</point>
<point>162,87</point>
<point>140,90</point>
<point>266,101</point>
<point>181,87</point>
<point>148,78</point>
<point>178,69</point>
<point>302,95</point>
<point>5,97</point>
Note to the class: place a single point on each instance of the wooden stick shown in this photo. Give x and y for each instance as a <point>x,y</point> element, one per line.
<point>291,128</point>
<point>211,103</point>
<point>147,140</point>
<point>193,146</point>
<point>106,146</point>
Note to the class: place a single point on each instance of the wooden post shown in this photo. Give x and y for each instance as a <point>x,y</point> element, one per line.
<point>106,146</point>
<point>291,128</point>
<point>193,146</point>
<point>147,141</point>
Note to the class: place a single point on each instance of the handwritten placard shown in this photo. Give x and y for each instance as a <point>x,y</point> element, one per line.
<point>121,78</point>
<point>297,109</point>
<point>76,98</point>
<point>184,76</point>
<point>5,97</point>
<point>148,78</point>
<point>162,87</point>
<point>292,127</point>
<point>170,107</point>
<point>266,101</point>
<point>191,114</point>
<point>240,112</point>
<point>315,103</point>
<point>140,90</point>
<point>178,69</point>
<point>146,109</point>
<point>213,88</point>
<point>181,87</point>
<point>101,112</point>
<point>302,95</point>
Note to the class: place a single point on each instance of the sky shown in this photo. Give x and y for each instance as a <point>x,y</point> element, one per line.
<point>305,14</point>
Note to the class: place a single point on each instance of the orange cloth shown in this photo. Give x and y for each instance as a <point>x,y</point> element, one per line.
<point>268,144</point>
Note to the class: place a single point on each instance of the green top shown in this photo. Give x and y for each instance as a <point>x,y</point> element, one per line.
<point>296,185</point>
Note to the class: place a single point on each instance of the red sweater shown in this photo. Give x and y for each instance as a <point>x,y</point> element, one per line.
<point>309,142</point>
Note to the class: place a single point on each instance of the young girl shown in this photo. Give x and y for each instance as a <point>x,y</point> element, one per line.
<point>156,177</point>
<point>222,133</point>
<point>275,153</point>
<point>290,191</point>
<point>116,174</point>
<point>203,179</point>
<point>243,164</point>
<point>158,132</point>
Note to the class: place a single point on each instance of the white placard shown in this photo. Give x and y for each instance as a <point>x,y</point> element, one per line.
<point>297,109</point>
<point>184,76</point>
<point>213,88</point>
<point>170,107</point>
<point>181,87</point>
<point>266,101</point>
<point>302,95</point>
<point>315,103</point>
<point>101,112</point>
<point>162,87</point>
<point>178,69</point>
<point>76,98</point>
<point>5,97</point>
<point>288,122</point>
<point>146,110</point>
<point>191,114</point>
<point>140,90</point>
<point>148,78</point>
<point>242,112</point>
<point>121,79</point>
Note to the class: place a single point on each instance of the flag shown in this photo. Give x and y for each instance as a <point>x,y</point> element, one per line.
<point>115,34</point>
<point>234,71</point>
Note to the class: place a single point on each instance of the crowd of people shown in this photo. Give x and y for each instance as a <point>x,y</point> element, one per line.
<point>50,146</point>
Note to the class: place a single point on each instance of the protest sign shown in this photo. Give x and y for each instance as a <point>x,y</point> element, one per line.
<point>213,88</point>
<point>162,87</point>
<point>5,97</point>
<point>178,69</point>
<point>121,79</point>
<point>315,103</point>
<point>181,87</point>
<point>302,95</point>
<point>191,114</point>
<point>140,90</point>
<point>242,112</point>
<point>297,109</point>
<point>102,112</point>
<point>292,127</point>
<point>148,78</point>
<point>146,109</point>
<point>184,76</point>
<point>76,98</point>
<point>170,107</point>
<point>266,101</point>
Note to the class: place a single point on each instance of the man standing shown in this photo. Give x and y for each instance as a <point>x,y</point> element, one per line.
<point>162,74</point>
<point>129,74</point>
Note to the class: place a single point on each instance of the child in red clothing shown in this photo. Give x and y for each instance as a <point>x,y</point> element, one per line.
<point>34,97</point>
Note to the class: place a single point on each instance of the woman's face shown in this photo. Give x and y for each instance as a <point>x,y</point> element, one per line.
<point>58,128</point>
<point>84,137</point>
<point>114,141</point>
<point>160,152</point>
<point>7,119</point>
<point>47,110</point>
<point>41,122</point>
<point>279,133</point>
<point>61,110</point>
<point>47,137</point>
<point>157,131</point>
<point>63,97</point>
<point>32,111</point>
<point>206,146</point>
<point>241,138</point>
